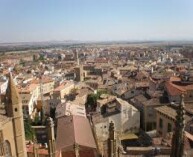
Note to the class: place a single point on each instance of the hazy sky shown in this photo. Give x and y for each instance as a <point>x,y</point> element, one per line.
<point>45,20</point>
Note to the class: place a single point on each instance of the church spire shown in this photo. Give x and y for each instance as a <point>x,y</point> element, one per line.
<point>12,99</point>
<point>14,110</point>
<point>178,135</point>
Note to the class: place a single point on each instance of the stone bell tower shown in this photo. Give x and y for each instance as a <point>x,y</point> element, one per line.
<point>14,110</point>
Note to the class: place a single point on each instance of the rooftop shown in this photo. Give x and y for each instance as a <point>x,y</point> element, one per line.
<point>170,112</point>
<point>70,132</point>
<point>27,88</point>
<point>63,86</point>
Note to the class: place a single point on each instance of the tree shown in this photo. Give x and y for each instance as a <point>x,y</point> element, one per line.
<point>91,102</point>
<point>41,57</point>
<point>29,132</point>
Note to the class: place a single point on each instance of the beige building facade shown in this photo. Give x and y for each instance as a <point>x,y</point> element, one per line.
<point>165,123</point>
<point>62,90</point>
<point>166,116</point>
<point>29,96</point>
<point>12,139</point>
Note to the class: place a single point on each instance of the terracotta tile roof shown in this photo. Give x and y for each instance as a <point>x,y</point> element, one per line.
<point>45,79</point>
<point>173,89</point>
<point>188,87</point>
<point>27,89</point>
<point>83,92</point>
<point>140,98</point>
<point>189,136</point>
<point>60,87</point>
<point>176,88</point>
<point>74,129</point>
<point>170,112</point>
<point>41,151</point>
<point>175,78</point>
<point>82,153</point>
<point>166,110</point>
<point>101,60</point>
<point>152,102</point>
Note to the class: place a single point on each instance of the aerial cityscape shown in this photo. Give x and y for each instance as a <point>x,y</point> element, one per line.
<point>99,78</point>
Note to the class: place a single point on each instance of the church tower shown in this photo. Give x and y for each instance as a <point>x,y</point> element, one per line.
<point>79,73</point>
<point>14,111</point>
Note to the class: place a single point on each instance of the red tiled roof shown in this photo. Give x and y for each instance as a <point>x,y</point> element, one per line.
<point>175,78</point>
<point>82,153</point>
<point>101,60</point>
<point>44,79</point>
<point>27,89</point>
<point>173,89</point>
<point>60,87</point>
<point>40,150</point>
<point>74,129</point>
<point>189,136</point>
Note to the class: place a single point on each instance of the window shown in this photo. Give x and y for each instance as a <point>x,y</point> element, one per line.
<point>160,123</point>
<point>169,127</point>
<point>5,149</point>
<point>150,126</point>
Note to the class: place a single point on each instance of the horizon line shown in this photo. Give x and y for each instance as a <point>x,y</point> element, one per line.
<point>97,41</point>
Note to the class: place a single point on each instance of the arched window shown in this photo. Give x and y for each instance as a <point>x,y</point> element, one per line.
<point>7,149</point>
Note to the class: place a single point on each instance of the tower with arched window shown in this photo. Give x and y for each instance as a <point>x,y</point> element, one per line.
<point>12,136</point>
